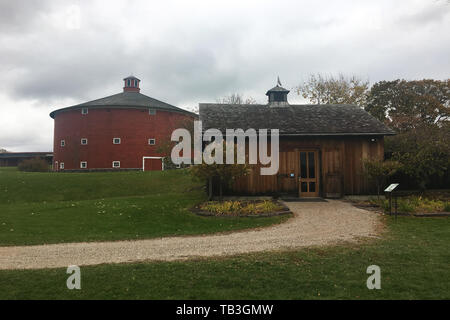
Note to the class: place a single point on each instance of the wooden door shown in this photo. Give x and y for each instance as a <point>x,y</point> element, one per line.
<point>153,164</point>
<point>308,184</point>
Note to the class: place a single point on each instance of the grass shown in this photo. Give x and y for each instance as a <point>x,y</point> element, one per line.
<point>413,255</point>
<point>29,187</point>
<point>38,208</point>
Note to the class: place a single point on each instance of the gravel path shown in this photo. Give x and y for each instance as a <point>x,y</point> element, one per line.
<point>313,224</point>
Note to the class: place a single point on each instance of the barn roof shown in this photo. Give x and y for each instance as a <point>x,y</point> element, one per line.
<point>326,119</point>
<point>125,100</point>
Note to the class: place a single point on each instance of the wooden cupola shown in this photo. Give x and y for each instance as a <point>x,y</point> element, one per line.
<point>278,95</point>
<point>131,84</point>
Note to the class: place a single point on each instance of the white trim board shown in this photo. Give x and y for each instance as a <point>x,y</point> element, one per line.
<point>143,162</point>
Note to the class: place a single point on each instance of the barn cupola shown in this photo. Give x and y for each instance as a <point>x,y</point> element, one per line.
<point>278,95</point>
<point>131,84</point>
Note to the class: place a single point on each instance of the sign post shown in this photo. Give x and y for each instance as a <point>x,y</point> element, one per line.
<point>390,190</point>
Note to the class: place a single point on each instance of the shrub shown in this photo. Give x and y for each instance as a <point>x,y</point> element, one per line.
<point>414,204</point>
<point>226,174</point>
<point>447,206</point>
<point>265,206</point>
<point>429,205</point>
<point>268,206</point>
<point>382,203</point>
<point>34,165</point>
<point>249,209</point>
<point>225,207</point>
<point>406,206</point>
<point>385,205</point>
<point>379,171</point>
<point>240,207</point>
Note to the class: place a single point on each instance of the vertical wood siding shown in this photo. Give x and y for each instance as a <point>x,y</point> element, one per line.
<point>340,166</point>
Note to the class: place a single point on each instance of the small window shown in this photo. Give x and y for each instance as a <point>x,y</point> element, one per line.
<point>151,112</point>
<point>129,83</point>
<point>83,164</point>
<point>84,141</point>
<point>61,165</point>
<point>63,143</point>
<point>84,111</point>
<point>116,140</point>
<point>152,141</point>
<point>116,164</point>
<point>135,83</point>
<point>178,166</point>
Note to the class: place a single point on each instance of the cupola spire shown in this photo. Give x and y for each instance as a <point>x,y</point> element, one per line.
<point>278,81</point>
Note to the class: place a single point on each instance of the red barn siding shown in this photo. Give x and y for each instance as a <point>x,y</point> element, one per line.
<point>133,126</point>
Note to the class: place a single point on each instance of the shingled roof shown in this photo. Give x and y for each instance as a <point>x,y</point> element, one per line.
<point>326,119</point>
<point>277,88</point>
<point>125,100</point>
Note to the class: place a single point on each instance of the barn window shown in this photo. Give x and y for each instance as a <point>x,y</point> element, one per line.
<point>116,140</point>
<point>116,164</point>
<point>84,141</point>
<point>129,83</point>
<point>61,165</point>
<point>152,141</point>
<point>84,111</point>
<point>63,143</point>
<point>83,164</point>
<point>151,112</point>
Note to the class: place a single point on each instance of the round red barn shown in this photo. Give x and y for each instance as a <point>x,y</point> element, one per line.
<point>122,131</point>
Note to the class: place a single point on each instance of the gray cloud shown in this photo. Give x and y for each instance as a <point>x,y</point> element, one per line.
<point>435,13</point>
<point>190,52</point>
<point>21,15</point>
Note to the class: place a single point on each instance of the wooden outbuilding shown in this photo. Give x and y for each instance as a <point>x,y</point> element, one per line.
<point>321,146</point>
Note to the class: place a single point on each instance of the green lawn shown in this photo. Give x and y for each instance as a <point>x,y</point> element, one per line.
<point>413,255</point>
<point>38,208</point>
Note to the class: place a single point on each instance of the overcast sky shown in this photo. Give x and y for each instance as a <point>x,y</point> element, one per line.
<point>55,54</point>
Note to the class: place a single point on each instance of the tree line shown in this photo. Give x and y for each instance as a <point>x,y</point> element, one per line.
<point>419,112</point>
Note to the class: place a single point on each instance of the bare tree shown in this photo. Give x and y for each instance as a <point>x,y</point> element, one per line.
<point>236,98</point>
<point>193,109</point>
<point>321,89</point>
